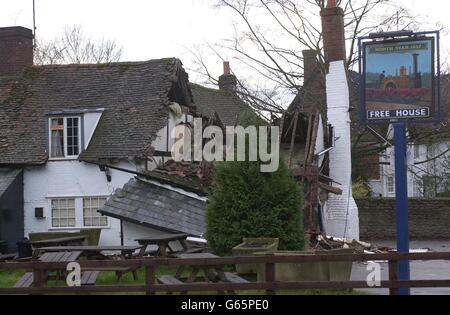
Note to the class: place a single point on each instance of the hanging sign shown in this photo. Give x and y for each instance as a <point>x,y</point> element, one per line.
<point>399,80</point>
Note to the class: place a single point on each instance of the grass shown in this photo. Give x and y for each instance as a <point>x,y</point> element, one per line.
<point>9,277</point>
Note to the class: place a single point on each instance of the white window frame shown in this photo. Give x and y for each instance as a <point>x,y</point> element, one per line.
<point>83,217</point>
<point>79,213</point>
<point>67,217</point>
<point>80,142</point>
<point>390,178</point>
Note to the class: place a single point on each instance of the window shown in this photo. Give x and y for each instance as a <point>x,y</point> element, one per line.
<point>65,137</point>
<point>63,213</point>
<point>91,216</point>
<point>416,151</point>
<point>390,184</point>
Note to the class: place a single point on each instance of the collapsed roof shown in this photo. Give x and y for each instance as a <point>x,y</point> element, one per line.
<point>161,206</point>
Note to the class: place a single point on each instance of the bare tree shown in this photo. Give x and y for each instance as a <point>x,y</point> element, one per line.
<point>432,176</point>
<point>74,47</point>
<point>269,36</point>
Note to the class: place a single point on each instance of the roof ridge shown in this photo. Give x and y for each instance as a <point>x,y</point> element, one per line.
<point>105,64</point>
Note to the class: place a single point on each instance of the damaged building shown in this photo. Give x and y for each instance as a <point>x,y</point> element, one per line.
<point>316,136</point>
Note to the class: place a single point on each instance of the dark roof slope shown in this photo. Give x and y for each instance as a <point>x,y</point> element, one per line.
<point>7,176</point>
<point>156,206</point>
<point>227,105</point>
<point>133,95</point>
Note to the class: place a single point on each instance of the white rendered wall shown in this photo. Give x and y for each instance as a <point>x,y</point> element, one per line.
<point>433,168</point>
<point>164,138</point>
<point>341,211</point>
<point>69,179</point>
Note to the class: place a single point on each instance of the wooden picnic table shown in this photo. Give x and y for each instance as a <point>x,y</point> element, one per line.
<point>211,273</point>
<point>95,252</point>
<point>6,257</point>
<point>61,241</point>
<point>89,251</point>
<point>162,241</point>
<point>60,257</point>
<point>28,278</point>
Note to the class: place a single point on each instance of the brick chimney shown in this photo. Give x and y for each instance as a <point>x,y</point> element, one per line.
<point>227,81</point>
<point>333,32</point>
<point>310,64</point>
<point>314,84</point>
<point>16,50</point>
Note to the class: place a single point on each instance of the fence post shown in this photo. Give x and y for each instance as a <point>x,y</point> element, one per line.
<point>150,279</point>
<point>270,276</point>
<point>38,279</point>
<point>393,276</point>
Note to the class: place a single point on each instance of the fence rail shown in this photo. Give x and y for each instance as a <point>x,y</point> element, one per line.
<point>270,285</point>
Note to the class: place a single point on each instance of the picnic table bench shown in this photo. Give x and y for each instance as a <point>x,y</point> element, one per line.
<point>7,257</point>
<point>96,251</point>
<point>87,278</point>
<point>89,251</point>
<point>27,279</point>
<point>211,273</point>
<point>162,241</point>
<point>61,241</point>
<point>60,257</point>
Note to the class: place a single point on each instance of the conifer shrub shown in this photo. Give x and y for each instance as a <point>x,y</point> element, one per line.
<point>244,202</point>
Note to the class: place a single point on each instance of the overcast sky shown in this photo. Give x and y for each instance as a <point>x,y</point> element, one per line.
<point>152,29</point>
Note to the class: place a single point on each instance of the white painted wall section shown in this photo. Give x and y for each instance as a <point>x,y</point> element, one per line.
<point>90,124</point>
<point>165,138</point>
<point>417,153</point>
<point>69,179</point>
<point>320,141</point>
<point>341,211</point>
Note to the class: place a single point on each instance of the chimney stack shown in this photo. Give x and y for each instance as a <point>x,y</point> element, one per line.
<point>333,32</point>
<point>227,81</point>
<point>331,3</point>
<point>310,64</point>
<point>16,50</point>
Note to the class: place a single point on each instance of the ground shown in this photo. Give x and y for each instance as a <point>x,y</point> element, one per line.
<point>431,270</point>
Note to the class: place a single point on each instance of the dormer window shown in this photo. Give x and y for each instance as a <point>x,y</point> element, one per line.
<point>65,137</point>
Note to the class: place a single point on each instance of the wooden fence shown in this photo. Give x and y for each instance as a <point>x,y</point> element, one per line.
<point>269,284</point>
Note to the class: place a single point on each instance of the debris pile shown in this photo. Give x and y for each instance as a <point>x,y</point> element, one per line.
<point>330,243</point>
<point>200,173</point>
